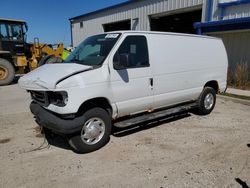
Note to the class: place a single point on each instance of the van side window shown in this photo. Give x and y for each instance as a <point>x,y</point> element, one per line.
<point>137,50</point>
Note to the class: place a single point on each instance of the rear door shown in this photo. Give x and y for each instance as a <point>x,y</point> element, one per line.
<point>132,87</point>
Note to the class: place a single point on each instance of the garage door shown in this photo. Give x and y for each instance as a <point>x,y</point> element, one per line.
<point>123,25</point>
<point>180,23</point>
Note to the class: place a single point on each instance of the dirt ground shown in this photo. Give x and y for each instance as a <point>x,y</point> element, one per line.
<point>185,151</point>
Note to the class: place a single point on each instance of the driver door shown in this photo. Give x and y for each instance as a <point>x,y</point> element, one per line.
<point>132,86</point>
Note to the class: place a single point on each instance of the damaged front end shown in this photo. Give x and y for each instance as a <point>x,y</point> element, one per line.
<point>55,122</point>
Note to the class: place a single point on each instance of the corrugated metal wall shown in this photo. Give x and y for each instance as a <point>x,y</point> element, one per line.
<point>238,47</point>
<point>138,10</point>
<point>237,43</point>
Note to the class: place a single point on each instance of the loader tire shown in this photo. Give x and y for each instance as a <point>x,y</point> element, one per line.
<point>7,72</point>
<point>49,59</point>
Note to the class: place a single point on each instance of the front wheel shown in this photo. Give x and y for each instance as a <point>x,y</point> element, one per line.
<point>95,132</point>
<point>206,101</point>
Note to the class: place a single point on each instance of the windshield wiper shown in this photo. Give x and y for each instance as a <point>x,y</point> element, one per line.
<point>77,60</point>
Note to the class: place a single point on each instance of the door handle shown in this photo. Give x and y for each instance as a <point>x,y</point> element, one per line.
<point>151,81</point>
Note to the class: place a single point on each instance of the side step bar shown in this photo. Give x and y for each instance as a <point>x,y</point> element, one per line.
<point>154,115</point>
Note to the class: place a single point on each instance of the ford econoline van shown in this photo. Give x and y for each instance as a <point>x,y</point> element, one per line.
<point>125,73</point>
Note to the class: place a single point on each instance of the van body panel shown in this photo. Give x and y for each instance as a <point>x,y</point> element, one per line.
<point>130,87</point>
<point>91,84</point>
<point>131,90</point>
<point>48,76</point>
<point>182,65</point>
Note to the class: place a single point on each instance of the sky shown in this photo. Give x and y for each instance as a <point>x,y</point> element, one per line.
<point>48,19</point>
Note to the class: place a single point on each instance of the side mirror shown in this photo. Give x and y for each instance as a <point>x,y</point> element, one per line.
<point>122,61</point>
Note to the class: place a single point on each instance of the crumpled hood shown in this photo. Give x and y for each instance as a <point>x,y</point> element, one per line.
<point>47,76</point>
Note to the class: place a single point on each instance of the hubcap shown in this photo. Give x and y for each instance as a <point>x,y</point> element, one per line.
<point>3,73</point>
<point>209,101</point>
<point>93,131</point>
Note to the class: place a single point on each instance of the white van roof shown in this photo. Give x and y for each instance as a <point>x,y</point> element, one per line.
<point>162,33</point>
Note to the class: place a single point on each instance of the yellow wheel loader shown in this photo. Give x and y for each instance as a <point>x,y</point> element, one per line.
<point>19,57</point>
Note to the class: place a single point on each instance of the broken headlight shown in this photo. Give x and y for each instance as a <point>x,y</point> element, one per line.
<point>59,98</point>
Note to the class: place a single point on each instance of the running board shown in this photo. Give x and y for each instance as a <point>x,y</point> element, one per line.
<point>154,115</point>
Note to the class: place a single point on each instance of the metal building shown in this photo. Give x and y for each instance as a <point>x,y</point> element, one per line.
<point>135,15</point>
<point>228,19</point>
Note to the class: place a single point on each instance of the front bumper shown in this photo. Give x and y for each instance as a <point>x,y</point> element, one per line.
<point>55,123</point>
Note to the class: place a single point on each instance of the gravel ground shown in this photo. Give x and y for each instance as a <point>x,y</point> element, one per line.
<point>186,151</point>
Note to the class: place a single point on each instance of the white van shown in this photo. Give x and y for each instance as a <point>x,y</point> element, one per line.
<point>124,73</point>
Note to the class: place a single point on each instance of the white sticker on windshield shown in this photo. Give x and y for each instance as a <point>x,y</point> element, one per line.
<point>111,36</point>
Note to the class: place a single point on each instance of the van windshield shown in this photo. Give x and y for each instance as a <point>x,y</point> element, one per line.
<point>94,50</point>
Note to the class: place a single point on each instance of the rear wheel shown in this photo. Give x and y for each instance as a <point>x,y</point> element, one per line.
<point>7,72</point>
<point>206,101</point>
<point>95,132</point>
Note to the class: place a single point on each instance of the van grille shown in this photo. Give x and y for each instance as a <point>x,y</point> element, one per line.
<point>41,97</point>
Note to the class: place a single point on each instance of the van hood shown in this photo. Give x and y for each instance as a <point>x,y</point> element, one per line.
<point>49,75</point>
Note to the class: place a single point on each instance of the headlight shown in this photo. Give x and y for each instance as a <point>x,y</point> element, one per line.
<point>58,98</point>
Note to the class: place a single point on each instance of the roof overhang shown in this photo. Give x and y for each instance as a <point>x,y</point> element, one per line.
<point>232,3</point>
<point>222,25</point>
<point>11,20</point>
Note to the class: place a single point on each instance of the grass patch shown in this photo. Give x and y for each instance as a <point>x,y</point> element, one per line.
<point>246,87</point>
<point>236,96</point>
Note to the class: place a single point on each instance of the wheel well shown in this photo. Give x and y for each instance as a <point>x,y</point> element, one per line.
<point>95,102</point>
<point>213,84</point>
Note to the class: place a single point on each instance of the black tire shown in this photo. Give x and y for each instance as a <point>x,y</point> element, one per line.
<point>79,144</point>
<point>49,59</point>
<point>44,60</point>
<point>7,72</point>
<point>204,106</point>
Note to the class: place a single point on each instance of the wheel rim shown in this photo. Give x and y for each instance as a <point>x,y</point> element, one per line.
<point>93,131</point>
<point>3,73</point>
<point>209,101</point>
